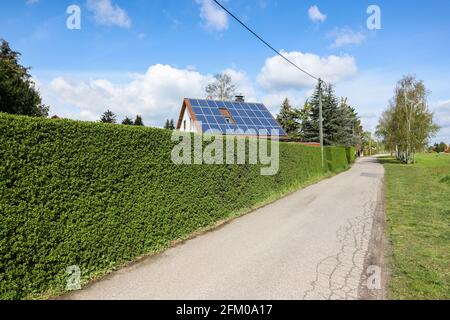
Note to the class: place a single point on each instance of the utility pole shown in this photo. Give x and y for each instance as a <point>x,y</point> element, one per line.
<point>321,123</point>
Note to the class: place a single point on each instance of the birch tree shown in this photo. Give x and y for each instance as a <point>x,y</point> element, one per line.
<point>407,125</point>
<point>221,89</point>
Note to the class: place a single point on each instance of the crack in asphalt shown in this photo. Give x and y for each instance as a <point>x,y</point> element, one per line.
<point>338,276</point>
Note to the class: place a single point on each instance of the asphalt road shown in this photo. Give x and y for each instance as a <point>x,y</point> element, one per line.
<point>312,244</point>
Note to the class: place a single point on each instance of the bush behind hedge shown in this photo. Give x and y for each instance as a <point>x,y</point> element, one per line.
<point>98,195</point>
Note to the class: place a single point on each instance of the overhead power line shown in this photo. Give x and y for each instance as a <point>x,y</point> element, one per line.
<point>294,65</point>
<point>265,42</point>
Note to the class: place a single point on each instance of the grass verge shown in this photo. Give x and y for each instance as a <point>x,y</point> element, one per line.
<point>418,227</point>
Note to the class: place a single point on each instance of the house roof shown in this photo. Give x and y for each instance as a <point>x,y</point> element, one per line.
<point>244,118</point>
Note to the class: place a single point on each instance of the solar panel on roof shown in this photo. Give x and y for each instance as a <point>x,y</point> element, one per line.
<point>244,117</point>
<point>220,104</point>
<point>228,104</point>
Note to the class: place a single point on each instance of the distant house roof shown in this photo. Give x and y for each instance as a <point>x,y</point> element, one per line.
<point>231,117</point>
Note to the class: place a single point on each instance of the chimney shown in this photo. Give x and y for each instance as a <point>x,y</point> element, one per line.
<point>240,99</point>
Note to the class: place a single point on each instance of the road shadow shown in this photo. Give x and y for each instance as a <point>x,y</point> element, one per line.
<point>369,160</point>
<point>388,160</point>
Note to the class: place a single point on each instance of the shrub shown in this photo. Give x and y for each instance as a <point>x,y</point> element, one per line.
<point>98,195</point>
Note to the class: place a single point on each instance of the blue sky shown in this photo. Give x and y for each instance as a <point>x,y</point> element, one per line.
<point>140,56</point>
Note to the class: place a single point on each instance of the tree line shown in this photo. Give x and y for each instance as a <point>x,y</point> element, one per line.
<point>341,123</point>
<point>440,147</point>
<point>406,126</point>
<point>110,117</point>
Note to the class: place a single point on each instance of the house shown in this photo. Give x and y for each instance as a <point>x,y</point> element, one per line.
<point>228,118</point>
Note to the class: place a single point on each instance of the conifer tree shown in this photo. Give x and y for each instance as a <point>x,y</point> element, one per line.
<point>127,121</point>
<point>289,118</point>
<point>18,94</point>
<point>138,121</point>
<point>108,117</point>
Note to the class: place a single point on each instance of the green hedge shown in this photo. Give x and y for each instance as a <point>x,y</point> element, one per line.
<point>351,154</point>
<point>336,158</point>
<point>99,195</point>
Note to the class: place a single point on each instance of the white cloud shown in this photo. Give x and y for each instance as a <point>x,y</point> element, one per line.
<point>109,14</point>
<point>214,17</point>
<point>156,94</point>
<point>315,15</point>
<point>443,106</point>
<point>277,74</point>
<point>442,118</point>
<point>370,92</point>
<point>345,36</point>
<point>274,100</point>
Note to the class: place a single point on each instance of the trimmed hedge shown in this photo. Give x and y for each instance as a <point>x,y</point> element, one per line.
<point>336,158</point>
<point>351,154</point>
<point>98,195</point>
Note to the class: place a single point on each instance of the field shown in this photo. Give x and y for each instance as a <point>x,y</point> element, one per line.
<point>418,213</point>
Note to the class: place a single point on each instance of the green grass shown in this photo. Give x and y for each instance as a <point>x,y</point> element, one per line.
<point>418,212</point>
